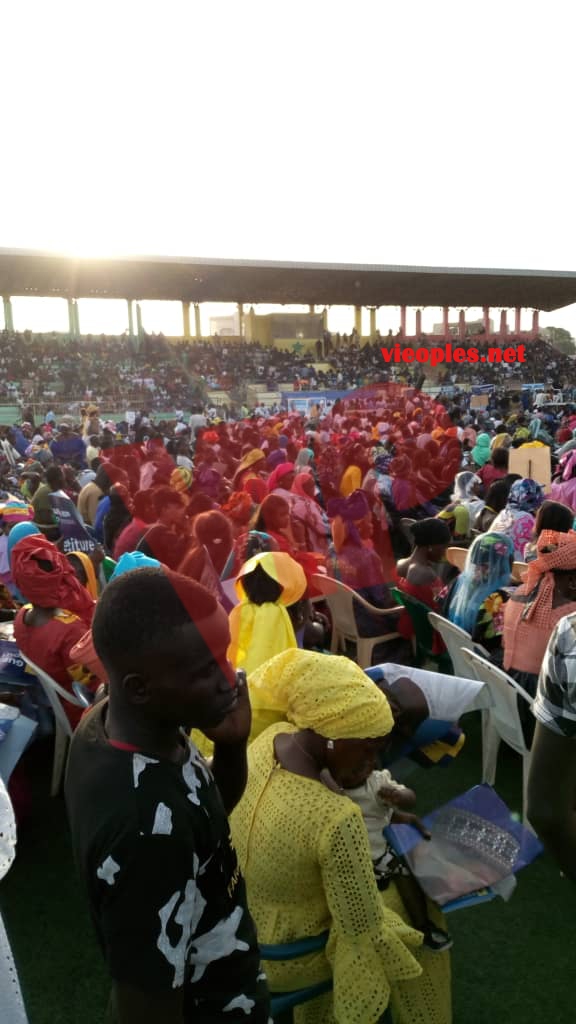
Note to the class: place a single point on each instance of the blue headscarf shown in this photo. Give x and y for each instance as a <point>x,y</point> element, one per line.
<point>133,560</point>
<point>487,569</point>
<point>18,532</point>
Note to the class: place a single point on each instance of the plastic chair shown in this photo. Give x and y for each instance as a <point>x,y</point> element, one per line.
<point>280,1002</point>
<point>423,637</point>
<point>456,640</point>
<point>457,557</point>
<point>503,720</point>
<point>63,730</point>
<point>519,570</point>
<point>340,600</point>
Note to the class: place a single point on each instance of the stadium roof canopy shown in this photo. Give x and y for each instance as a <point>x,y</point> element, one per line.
<point>30,273</point>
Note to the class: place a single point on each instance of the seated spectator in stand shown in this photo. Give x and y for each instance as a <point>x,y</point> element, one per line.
<point>517,519</point>
<point>118,516</point>
<point>481,450</point>
<point>306,853</point>
<point>564,489</point>
<point>496,499</point>
<point>91,494</point>
<point>167,539</point>
<point>551,515</point>
<point>353,561</point>
<point>476,600</point>
<point>143,515</point>
<point>249,470</point>
<point>269,585</point>
<point>43,513</point>
<point>68,447</point>
<point>307,511</point>
<point>246,545</point>
<point>418,574</point>
<point>238,509</point>
<point>534,609</point>
<point>210,550</point>
<point>274,519</point>
<point>58,615</point>
<point>464,507</point>
<point>495,469</point>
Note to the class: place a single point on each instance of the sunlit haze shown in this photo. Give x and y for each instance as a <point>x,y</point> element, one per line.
<point>427,134</point>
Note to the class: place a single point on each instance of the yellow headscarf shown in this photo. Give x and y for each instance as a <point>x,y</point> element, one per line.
<point>323,692</point>
<point>258,632</point>
<point>91,578</point>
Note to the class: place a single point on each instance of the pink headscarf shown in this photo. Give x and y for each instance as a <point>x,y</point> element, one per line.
<point>275,478</point>
<point>298,485</point>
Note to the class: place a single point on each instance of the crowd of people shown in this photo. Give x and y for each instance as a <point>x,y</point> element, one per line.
<point>196,592</point>
<point>153,373</point>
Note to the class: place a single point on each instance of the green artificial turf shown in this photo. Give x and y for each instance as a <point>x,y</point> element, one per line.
<point>512,963</point>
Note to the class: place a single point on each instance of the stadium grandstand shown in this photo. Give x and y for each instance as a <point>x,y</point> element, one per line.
<point>255,359</point>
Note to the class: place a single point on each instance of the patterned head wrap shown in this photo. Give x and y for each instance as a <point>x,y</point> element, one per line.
<point>238,508</point>
<point>525,495</point>
<point>556,552</point>
<point>322,692</point>
<point>14,512</point>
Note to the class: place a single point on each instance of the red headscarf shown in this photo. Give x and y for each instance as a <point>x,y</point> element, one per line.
<point>275,478</point>
<point>45,577</point>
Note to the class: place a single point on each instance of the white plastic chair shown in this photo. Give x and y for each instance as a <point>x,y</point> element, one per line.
<point>63,730</point>
<point>519,570</point>
<point>503,719</point>
<point>456,640</point>
<point>457,557</point>
<point>340,600</point>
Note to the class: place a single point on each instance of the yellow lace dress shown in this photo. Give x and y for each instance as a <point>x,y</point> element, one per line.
<point>305,855</point>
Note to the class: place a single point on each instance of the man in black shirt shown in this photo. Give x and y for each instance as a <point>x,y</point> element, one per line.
<point>149,818</point>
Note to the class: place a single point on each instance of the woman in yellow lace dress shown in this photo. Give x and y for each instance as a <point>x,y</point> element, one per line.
<point>304,850</point>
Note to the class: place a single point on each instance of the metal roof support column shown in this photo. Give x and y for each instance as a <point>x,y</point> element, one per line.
<point>241,319</point>
<point>197,322</point>
<point>186,320</point>
<point>8,315</point>
<point>325,318</point>
<point>71,320</point>
<point>402,321</point>
<point>358,320</point>
<point>486,318</point>
<point>252,324</point>
<point>503,324</point>
<point>517,320</point>
<point>77,319</point>
<point>139,327</point>
<point>446,323</point>
<point>535,323</point>
<point>373,310</point>
<point>130,304</point>
<point>418,323</point>
<point>462,325</point>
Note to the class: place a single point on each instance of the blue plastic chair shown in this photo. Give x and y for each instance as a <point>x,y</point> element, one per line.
<point>280,1002</point>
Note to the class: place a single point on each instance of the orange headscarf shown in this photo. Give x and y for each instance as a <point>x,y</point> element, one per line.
<point>555,551</point>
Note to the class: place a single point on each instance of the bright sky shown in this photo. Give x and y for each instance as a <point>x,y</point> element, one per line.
<point>405,133</point>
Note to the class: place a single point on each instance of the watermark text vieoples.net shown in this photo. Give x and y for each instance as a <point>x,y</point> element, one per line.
<point>449,353</point>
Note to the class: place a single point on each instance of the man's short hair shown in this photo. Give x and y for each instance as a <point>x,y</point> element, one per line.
<point>140,613</point>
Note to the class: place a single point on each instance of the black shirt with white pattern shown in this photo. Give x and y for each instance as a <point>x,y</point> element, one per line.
<point>152,843</point>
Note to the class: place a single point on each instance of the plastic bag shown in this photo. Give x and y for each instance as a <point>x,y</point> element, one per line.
<point>475,843</point>
<point>8,715</point>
